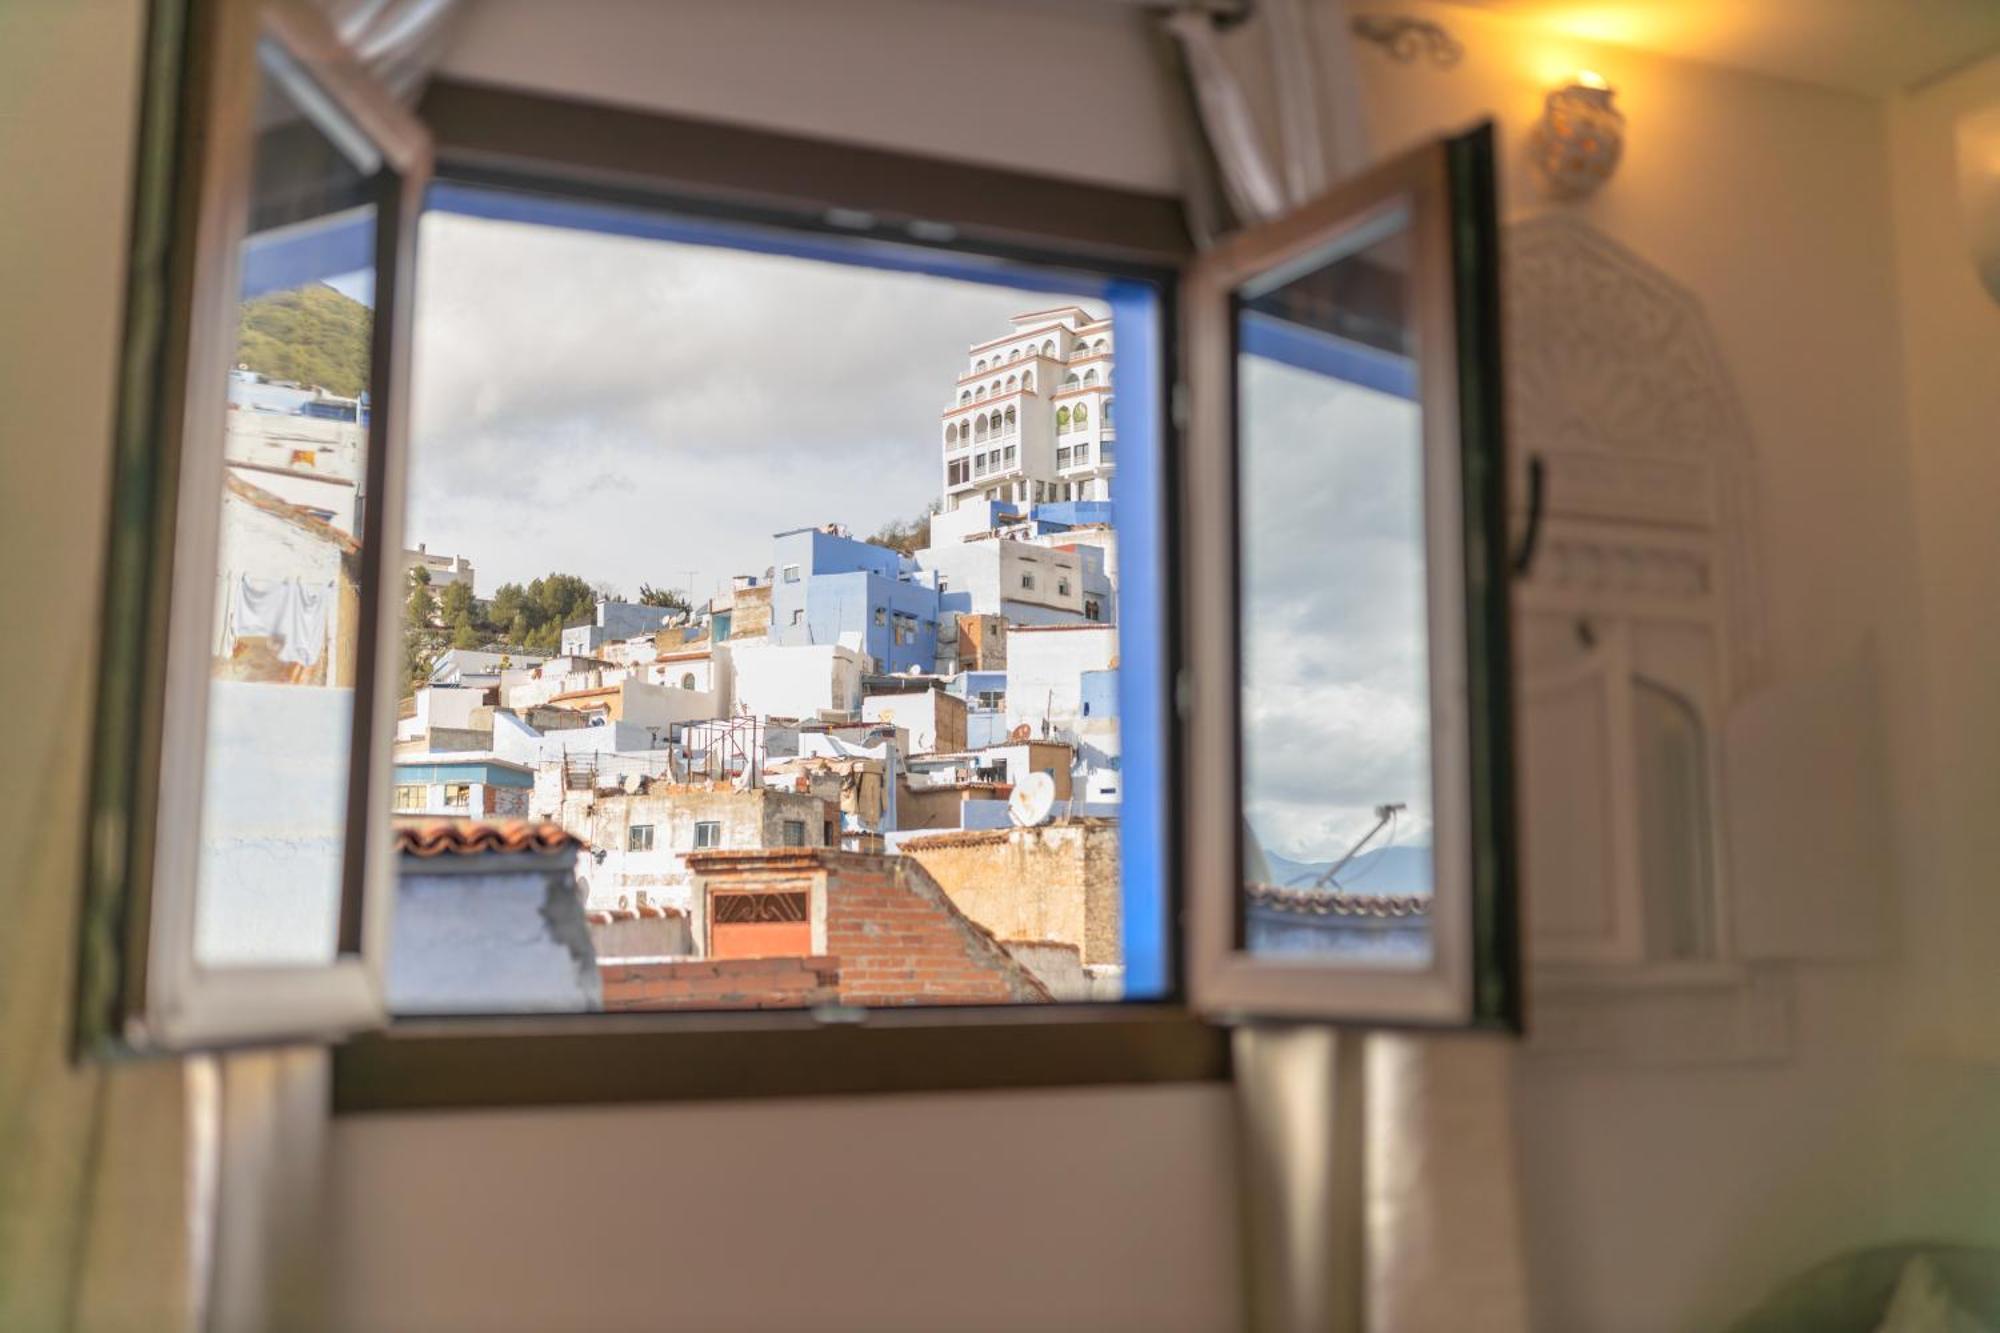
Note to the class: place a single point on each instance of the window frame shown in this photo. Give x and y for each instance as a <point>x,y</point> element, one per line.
<point>596,153</point>
<point>140,985</point>
<point>1445,189</point>
<point>500,138</point>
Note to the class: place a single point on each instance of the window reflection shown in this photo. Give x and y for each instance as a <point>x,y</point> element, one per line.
<point>285,651</point>
<point>1335,693</point>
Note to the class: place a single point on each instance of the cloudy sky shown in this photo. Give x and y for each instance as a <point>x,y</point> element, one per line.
<point>630,410</point>
<point>1335,699</point>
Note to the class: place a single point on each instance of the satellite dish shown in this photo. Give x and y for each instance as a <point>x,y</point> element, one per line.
<point>630,784</point>
<point>1033,799</point>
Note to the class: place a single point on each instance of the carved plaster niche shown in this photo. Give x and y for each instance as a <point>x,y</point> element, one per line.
<point>1616,383</point>
<point>1646,585</point>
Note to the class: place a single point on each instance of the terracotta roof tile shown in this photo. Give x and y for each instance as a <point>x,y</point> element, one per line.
<point>475,837</point>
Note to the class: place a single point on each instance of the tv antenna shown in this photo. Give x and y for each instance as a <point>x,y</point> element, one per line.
<point>1384,814</point>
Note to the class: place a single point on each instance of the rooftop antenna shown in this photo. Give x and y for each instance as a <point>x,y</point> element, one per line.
<point>1383,814</point>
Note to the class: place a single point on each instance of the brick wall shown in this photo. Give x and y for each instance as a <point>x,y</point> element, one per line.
<point>894,936</point>
<point>721,983</point>
<point>901,941</point>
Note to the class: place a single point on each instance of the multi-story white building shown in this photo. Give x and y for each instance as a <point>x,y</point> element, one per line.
<point>1031,418</point>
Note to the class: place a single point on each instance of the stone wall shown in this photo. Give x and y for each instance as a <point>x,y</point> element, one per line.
<point>1058,883</point>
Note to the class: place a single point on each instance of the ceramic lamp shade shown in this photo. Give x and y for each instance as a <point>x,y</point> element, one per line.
<point>1577,142</point>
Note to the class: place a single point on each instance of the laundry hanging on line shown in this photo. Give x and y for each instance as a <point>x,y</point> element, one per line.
<point>292,613</point>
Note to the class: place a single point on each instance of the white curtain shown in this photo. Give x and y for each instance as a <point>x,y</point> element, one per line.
<point>1314,88</point>
<point>400,41</point>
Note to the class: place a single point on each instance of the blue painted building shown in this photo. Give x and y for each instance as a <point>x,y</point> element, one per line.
<point>828,586</point>
<point>985,695</point>
<point>475,786</point>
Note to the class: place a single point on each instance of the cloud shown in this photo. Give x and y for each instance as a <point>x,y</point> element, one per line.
<point>1335,708</point>
<point>631,410</point>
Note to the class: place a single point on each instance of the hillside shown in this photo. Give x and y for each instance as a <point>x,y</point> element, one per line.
<point>312,335</point>
<point>1384,870</point>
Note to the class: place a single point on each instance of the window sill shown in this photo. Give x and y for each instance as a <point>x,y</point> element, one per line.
<point>475,1063</point>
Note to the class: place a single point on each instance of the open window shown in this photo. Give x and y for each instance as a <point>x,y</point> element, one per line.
<point>239,864</point>
<point>292,700</point>
<point>1349,827</point>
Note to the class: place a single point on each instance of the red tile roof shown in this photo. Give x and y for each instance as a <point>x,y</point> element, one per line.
<point>475,837</point>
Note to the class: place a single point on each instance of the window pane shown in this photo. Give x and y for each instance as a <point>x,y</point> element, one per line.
<point>285,645</point>
<point>1335,691</point>
<point>895,777</point>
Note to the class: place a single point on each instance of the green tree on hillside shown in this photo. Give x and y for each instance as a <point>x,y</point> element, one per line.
<point>671,598</point>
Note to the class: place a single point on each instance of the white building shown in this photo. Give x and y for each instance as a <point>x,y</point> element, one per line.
<point>797,680</point>
<point>443,569</point>
<point>1027,582</point>
<point>310,462</point>
<point>479,667</point>
<point>1030,419</point>
<point>1046,666</point>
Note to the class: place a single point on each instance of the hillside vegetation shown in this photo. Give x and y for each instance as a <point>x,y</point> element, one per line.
<point>311,335</point>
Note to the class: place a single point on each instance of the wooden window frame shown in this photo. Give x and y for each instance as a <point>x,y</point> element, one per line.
<point>506,139</point>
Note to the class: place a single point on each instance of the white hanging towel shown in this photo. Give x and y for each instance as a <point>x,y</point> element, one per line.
<point>291,613</point>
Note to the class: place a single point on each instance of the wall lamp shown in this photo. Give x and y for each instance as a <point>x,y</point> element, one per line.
<point>1576,143</point>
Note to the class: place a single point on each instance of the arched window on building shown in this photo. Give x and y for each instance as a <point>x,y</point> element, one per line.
<point>1049,347</point>
<point>979,429</point>
<point>951,435</point>
<point>995,421</point>
<point>1090,376</point>
<point>979,365</point>
<point>964,396</point>
<point>1072,380</point>
<point>1062,418</point>
<point>687,681</point>
<point>1013,356</point>
<point>1100,347</point>
<point>1081,416</point>
<point>979,394</point>
<point>1012,421</point>
<point>1028,382</point>
<point>1013,383</point>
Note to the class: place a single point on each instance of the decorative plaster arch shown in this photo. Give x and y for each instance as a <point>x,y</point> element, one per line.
<point>1615,380</point>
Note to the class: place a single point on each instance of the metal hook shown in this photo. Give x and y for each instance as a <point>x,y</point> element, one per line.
<point>1524,554</point>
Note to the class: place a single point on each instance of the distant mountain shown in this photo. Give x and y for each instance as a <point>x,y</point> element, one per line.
<point>310,335</point>
<point>1386,870</point>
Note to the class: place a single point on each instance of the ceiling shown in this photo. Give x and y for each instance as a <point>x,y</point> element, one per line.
<point>1866,46</point>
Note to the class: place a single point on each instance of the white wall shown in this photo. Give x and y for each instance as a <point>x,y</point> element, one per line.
<point>1948,1169</point>
<point>1672,1199</point>
<point>1098,1209</point>
<point>1040,85</point>
<point>796,680</point>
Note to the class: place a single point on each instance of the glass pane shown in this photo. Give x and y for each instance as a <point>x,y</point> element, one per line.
<point>806,636</point>
<point>1335,693</point>
<point>285,646</point>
